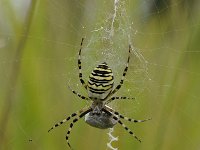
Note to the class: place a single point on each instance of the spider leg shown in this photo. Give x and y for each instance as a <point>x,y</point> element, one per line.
<point>117,97</point>
<point>79,66</point>
<point>79,95</point>
<point>124,117</point>
<point>123,75</point>
<point>68,118</point>
<point>72,124</point>
<point>126,128</point>
<point>122,124</point>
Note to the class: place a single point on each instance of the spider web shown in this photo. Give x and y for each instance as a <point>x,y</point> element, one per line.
<point>38,59</point>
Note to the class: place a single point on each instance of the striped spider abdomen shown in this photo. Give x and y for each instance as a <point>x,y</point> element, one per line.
<point>100,82</point>
<point>100,92</point>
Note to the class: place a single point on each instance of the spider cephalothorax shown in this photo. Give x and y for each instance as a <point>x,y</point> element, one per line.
<point>100,91</point>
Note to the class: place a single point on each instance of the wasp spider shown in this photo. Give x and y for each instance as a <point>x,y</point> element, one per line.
<point>100,89</point>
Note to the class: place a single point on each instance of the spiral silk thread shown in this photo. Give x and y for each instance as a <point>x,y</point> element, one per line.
<point>112,139</point>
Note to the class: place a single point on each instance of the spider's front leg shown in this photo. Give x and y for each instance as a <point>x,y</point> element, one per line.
<point>73,122</point>
<point>117,114</point>
<point>121,123</point>
<point>68,118</point>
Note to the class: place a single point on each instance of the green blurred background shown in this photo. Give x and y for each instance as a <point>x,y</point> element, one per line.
<point>39,42</point>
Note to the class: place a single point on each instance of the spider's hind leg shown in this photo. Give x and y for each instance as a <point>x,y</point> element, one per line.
<point>123,75</point>
<point>79,66</point>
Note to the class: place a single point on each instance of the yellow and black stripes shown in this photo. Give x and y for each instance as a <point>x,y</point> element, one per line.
<point>100,88</point>
<point>100,81</point>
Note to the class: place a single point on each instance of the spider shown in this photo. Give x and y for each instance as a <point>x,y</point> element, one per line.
<point>100,88</point>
